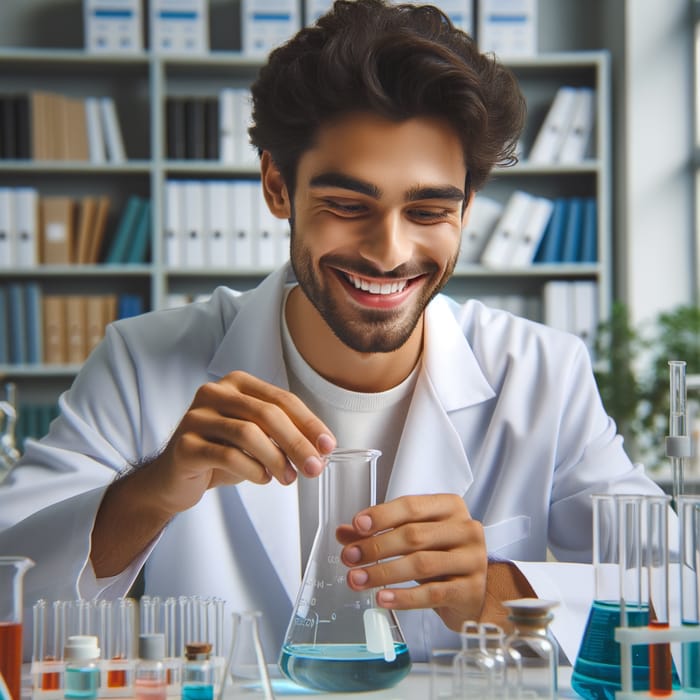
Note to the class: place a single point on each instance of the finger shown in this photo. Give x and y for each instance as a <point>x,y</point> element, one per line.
<point>419,566</point>
<point>245,436</point>
<point>443,535</point>
<point>409,509</point>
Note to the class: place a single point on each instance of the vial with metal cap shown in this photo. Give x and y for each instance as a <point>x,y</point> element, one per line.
<point>530,651</point>
<point>150,678</point>
<point>82,675</point>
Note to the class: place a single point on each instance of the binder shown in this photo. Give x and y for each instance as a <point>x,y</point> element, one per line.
<point>244,215</point>
<point>175,136</point>
<point>267,234</point>
<point>95,133</point>
<point>508,28</point>
<point>95,321</point>
<point>530,236</point>
<point>577,137</point>
<point>550,138</point>
<point>98,233</point>
<point>179,26</point>
<point>8,127</point>
<point>7,228</point>
<point>4,327</point>
<point>87,212</point>
<point>193,223</point>
<point>501,245</point>
<point>112,131</point>
<point>54,329</point>
<point>266,24</point>
<point>481,222</point>
<point>589,244</point>
<point>26,200</point>
<point>552,245</point>
<point>113,26</point>
<point>57,230</point>
<point>23,138</point>
<point>217,232</point>
<point>76,132</point>
<point>34,323</point>
<point>573,233</point>
<point>173,220</point>
<point>227,126</point>
<point>585,315</point>
<point>140,241</point>
<point>212,128</point>
<point>17,326</point>
<point>76,339</point>
<point>558,304</point>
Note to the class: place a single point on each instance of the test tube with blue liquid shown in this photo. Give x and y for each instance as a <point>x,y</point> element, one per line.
<point>620,598</point>
<point>689,517</point>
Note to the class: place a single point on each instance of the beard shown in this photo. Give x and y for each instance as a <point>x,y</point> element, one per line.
<point>361,329</point>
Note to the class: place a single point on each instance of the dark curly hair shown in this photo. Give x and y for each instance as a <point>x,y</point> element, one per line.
<point>398,61</point>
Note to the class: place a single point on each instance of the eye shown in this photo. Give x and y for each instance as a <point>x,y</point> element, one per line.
<point>345,208</point>
<point>430,216</point>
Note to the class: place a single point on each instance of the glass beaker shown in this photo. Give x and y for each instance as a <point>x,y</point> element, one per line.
<point>337,638</point>
<point>12,570</point>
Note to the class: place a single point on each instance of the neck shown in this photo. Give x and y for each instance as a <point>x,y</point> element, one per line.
<point>340,364</point>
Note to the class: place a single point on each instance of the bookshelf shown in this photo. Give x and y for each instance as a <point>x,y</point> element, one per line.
<point>140,85</point>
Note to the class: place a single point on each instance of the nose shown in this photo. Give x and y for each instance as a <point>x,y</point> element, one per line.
<point>387,242</point>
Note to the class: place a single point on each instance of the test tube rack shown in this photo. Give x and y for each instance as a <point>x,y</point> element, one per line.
<point>628,637</point>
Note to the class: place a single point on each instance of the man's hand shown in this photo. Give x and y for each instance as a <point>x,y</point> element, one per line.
<point>239,428</point>
<point>428,539</point>
<point>433,541</point>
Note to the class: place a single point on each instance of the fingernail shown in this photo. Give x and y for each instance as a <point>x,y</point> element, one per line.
<point>363,523</point>
<point>289,474</point>
<point>353,555</point>
<point>358,577</point>
<point>325,443</point>
<point>385,597</point>
<point>312,466</point>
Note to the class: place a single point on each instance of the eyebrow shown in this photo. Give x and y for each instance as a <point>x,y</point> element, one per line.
<point>346,182</point>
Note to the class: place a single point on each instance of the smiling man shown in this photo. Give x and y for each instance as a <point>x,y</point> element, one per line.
<point>190,441</point>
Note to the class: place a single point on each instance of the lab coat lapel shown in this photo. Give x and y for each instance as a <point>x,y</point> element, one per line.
<point>432,457</point>
<point>253,344</point>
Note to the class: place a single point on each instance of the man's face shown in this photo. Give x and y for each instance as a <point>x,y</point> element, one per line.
<point>378,210</point>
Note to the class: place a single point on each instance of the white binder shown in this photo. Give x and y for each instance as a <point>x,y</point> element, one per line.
<point>528,238</point>
<point>578,135</point>
<point>173,222</point>
<point>7,228</point>
<point>550,137</point>
<point>218,228</point>
<point>245,193</point>
<point>481,222</point>
<point>501,245</point>
<point>26,207</point>
<point>193,226</point>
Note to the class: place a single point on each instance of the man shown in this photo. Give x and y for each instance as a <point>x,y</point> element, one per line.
<point>375,127</point>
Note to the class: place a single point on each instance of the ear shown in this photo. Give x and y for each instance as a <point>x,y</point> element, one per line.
<point>274,190</point>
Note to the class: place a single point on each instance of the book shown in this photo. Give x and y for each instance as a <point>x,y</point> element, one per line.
<point>23,134</point>
<point>4,327</point>
<point>95,133</point>
<point>195,135</point>
<point>17,324</point>
<point>76,329</point>
<point>95,321</point>
<point>118,250</point>
<point>87,210</point>
<point>34,323</point>
<point>95,253</point>
<point>77,145</point>
<point>175,135</point>
<point>550,137</point>
<point>551,247</point>
<point>212,128</point>
<point>481,221</point>
<point>577,137</point>
<point>589,243</point>
<point>57,230</point>
<point>8,127</point>
<point>501,244</point>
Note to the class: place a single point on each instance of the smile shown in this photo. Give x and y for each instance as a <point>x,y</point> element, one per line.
<point>376,287</point>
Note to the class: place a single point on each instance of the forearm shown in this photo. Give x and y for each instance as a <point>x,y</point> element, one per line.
<point>127,520</point>
<point>504,581</point>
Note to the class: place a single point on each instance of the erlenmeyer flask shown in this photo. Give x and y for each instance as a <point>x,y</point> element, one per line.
<point>338,639</point>
<point>12,570</point>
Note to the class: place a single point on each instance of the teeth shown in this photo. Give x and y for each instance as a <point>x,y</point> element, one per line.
<point>376,287</point>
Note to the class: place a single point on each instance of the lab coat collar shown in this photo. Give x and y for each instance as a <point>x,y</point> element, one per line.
<point>431,457</point>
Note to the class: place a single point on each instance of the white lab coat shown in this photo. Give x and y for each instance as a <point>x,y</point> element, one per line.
<point>505,412</point>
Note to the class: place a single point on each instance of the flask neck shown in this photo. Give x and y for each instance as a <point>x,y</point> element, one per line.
<point>346,487</point>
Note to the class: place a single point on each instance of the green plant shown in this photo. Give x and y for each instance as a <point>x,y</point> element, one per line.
<point>633,374</point>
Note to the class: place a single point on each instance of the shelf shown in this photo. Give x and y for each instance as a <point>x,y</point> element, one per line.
<point>73,167</point>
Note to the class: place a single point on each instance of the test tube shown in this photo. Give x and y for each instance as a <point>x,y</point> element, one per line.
<point>678,446</point>
<point>656,557</point>
<point>689,520</point>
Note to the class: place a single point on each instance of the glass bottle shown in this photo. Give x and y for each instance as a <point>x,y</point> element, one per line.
<point>198,672</point>
<point>82,676</point>
<point>531,652</point>
<point>338,640</point>
<point>150,678</point>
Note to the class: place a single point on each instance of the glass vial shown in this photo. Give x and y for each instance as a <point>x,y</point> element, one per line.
<point>338,640</point>
<point>531,652</point>
<point>198,672</point>
<point>82,675</point>
<point>150,677</point>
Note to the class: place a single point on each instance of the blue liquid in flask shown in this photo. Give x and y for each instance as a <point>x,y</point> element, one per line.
<point>596,673</point>
<point>343,667</point>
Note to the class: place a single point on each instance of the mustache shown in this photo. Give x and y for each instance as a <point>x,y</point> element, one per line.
<point>362,268</point>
